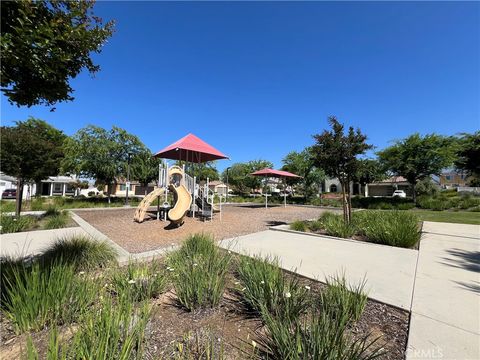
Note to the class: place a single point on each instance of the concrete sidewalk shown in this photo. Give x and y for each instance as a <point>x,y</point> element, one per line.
<point>34,242</point>
<point>389,271</point>
<point>445,320</point>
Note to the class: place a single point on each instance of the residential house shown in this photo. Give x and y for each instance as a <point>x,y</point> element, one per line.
<point>217,187</point>
<point>452,179</point>
<point>57,186</point>
<point>388,186</point>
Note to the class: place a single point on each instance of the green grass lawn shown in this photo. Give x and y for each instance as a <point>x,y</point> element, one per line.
<point>461,217</point>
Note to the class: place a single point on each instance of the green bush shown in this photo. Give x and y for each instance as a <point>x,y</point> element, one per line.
<point>298,225</point>
<point>36,296</point>
<point>52,211</point>
<point>81,252</point>
<point>138,281</point>
<point>342,302</point>
<point>57,221</point>
<point>37,204</point>
<point>395,228</point>
<point>13,224</point>
<point>315,225</point>
<point>265,287</point>
<point>405,206</point>
<point>7,206</point>
<point>199,270</point>
<point>334,225</point>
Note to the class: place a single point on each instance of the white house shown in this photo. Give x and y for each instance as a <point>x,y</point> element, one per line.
<point>57,186</point>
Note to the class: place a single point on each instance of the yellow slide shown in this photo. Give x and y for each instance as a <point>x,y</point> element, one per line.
<point>182,204</point>
<point>145,204</point>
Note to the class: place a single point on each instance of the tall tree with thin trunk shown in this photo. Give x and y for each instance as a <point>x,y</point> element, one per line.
<point>418,157</point>
<point>145,168</point>
<point>336,152</point>
<point>31,151</point>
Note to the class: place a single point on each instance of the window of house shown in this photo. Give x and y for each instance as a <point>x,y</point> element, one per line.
<point>123,187</point>
<point>57,187</point>
<point>448,177</point>
<point>333,188</point>
<point>69,188</point>
<point>2,183</point>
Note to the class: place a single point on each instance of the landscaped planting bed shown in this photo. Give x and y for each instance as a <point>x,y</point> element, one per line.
<point>52,219</point>
<point>199,302</point>
<point>395,228</point>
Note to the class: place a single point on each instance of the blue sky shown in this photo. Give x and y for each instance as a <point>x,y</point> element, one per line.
<point>257,79</point>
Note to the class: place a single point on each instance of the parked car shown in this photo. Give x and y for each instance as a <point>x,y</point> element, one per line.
<point>399,193</point>
<point>9,194</point>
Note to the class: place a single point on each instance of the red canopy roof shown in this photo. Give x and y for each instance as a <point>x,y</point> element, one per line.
<point>273,173</point>
<point>191,148</point>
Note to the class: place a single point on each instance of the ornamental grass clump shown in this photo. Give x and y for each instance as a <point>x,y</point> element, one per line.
<point>56,221</point>
<point>138,281</point>
<point>83,253</point>
<point>335,225</point>
<point>13,224</point>
<point>343,303</point>
<point>298,225</point>
<point>198,271</point>
<point>395,228</point>
<point>266,288</point>
<point>36,296</point>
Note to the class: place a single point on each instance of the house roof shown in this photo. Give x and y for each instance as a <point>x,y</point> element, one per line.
<point>216,183</point>
<point>60,179</point>
<point>7,177</point>
<point>391,180</point>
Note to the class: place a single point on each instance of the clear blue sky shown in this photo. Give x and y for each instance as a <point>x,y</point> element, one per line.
<point>256,80</point>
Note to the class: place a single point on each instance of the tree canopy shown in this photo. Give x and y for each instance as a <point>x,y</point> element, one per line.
<point>468,154</point>
<point>94,152</point>
<point>336,153</point>
<point>418,157</point>
<point>239,175</point>
<point>302,164</point>
<point>31,151</point>
<point>45,44</point>
<point>144,167</point>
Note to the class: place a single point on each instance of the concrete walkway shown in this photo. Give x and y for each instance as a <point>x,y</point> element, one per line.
<point>389,271</point>
<point>445,321</point>
<point>34,242</point>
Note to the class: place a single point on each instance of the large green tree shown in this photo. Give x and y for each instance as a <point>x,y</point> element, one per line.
<point>336,152</point>
<point>239,175</point>
<point>418,157</point>
<point>31,151</point>
<point>468,155</point>
<point>369,171</point>
<point>302,164</point>
<point>144,168</point>
<point>94,152</point>
<point>45,44</point>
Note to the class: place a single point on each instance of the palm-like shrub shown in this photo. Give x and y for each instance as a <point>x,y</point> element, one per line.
<point>298,225</point>
<point>334,225</point>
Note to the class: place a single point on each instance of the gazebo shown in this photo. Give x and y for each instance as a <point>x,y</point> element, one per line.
<point>269,173</point>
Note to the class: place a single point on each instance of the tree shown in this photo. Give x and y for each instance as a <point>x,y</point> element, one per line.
<point>102,154</point>
<point>468,155</point>
<point>418,157</point>
<point>240,178</point>
<point>31,151</point>
<point>203,171</point>
<point>302,164</point>
<point>145,168</point>
<point>336,153</point>
<point>369,171</point>
<point>45,44</point>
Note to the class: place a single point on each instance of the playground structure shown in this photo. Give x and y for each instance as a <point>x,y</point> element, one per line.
<point>188,197</point>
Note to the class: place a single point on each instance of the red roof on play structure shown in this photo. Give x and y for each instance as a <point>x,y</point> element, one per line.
<point>273,173</point>
<point>191,149</point>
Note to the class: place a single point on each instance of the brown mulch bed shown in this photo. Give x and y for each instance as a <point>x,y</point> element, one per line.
<point>236,220</point>
<point>229,325</point>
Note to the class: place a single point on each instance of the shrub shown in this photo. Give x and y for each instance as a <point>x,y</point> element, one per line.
<point>199,270</point>
<point>266,288</point>
<point>315,225</point>
<point>37,204</point>
<point>298,226</point>
<point>81,252</point>
<point>52,211</point>
<point>468,202</point>
<point>343,303</point>
<point>138,281</point>
<point>57,221</point>
<point>7,206</point>
<point>12,224</point>
<point>475,209</point>
<point>405,206</point>
<point>395,228</point>
<point>316,337</point>
<point>36,296</point>
<point>334,225</point>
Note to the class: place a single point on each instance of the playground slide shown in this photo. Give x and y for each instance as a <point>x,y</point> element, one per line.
<point>145,204</point>
<point>182,205</point>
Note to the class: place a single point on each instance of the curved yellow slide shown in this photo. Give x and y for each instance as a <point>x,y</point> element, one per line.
<point>145,204</point>
<point>182,205</point>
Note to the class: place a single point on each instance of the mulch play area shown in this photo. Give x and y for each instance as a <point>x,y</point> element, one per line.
<point>236,220</point>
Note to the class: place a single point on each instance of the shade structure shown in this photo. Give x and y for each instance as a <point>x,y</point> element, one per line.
<point>192,149</point>
<point>267,172</point>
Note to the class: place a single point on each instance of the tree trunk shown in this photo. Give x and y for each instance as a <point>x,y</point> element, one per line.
<point>344,203</point>
<point>414,194</point>
<point>349,201</point>
<point>19,196</point>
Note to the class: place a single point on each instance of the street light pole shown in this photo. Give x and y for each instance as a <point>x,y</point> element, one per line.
<point>128,179</point>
